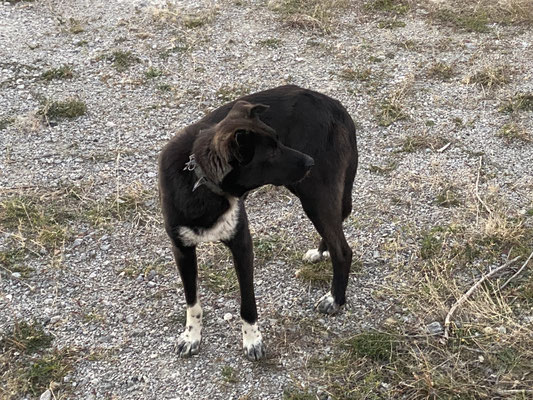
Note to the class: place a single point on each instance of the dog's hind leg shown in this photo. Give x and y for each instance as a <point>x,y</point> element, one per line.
<point>190,339</point>
<point>242,250</point>
<point>328,222</point>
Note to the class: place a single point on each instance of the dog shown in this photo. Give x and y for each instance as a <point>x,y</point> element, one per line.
<point>288,136</point>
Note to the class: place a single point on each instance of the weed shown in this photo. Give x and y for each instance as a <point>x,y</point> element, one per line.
<point>512,132</point>
<point>432,242</point>
<point>271,43</point>
<point>44,371</point>
<point>398,7</point>
<point>5,122</point>
<point>317,273</point>
<point>489,77</point>
<point>152,73</point>
<point>63,72</point>
<point>529,212</point>
<point>468,21</point>
<point>421,141</point>
<point>448,197</point>
<point>131,203</point>
<point>229,375</point>
<point>27,338</point>
<point>385,169</point>
<point>475,16</point>
<point>75,26</point>
<point>518,102</point>
<point>69,108</point>
<point>179,45</point>
<point>297,394</point>
<point>11,258</point>
<point>377,346</point>
<point>41,224</point>
<point>309,14</point>
<point>195,21</point>
<point>267,247</point>
<point>122,60</point>
<point>441,71</point>
<point>220,279</point>
<point>390,111</point>
<point>349,74</point>
<point>164,87</point>
<point>390,24</point>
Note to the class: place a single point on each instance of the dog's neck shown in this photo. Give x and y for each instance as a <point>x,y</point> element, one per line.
<point>193,166</point>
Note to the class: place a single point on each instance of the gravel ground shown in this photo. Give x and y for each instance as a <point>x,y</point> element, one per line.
<point>238,47</point>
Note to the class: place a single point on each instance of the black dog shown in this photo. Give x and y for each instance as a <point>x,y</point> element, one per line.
<point>303,140</point>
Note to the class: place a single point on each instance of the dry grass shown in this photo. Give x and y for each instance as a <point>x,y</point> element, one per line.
<point>512,132</point>
<point>421,141</point>
<point>490,350</point>
<point>309,14</point>
<point>489,77</point>
<point>28,364</point>
<point>391,109</point>
<point>171,14</point>
<point>518,102</point>
<point>440,70</point>
<point>475,16</point>
<point>63,109</point>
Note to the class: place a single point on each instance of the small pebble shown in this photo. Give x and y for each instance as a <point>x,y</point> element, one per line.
<point>46,395</point>
<point>435,328</point>
<point>228,317</point>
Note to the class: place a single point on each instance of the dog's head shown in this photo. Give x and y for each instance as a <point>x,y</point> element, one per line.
<point>241,152</point>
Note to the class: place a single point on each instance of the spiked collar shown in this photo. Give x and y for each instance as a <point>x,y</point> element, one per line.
<point>193,166</point>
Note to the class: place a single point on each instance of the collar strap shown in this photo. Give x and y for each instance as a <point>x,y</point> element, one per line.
<point>193,166</point>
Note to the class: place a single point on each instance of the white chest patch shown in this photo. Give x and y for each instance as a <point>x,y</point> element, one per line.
<point>223,229</point>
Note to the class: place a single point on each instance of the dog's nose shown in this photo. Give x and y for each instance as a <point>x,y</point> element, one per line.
<point>309,162</point>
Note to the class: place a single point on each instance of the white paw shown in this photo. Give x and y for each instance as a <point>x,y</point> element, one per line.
<point>190,339</point>
<point>326,305</point>
<point>315,255</point>
<point>188,344</point>
<point>252,342</point>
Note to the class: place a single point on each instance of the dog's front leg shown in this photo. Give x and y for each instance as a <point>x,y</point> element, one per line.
<point>242,250</point>
<point>189,341</point>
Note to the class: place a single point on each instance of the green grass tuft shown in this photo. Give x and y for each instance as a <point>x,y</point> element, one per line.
<point>398,7</point>
<point>122,60</point>
<point>390,111</point>
<point>271,43</point>
<point>229,375</point>
<point>152,73</point>
<point>519,102</point>
<point>440,70</point>
<point>377,346</point>
<point>63,72</point>
<point>512,132</point>
<point>69,109</point>
<point>27,338</point>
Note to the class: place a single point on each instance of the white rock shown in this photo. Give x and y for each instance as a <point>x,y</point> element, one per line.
<point>228,317</point>
<point>46,395</point>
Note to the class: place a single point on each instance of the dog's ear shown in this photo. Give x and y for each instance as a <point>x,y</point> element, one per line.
<point>244,109</point>
<point>257,109</point>
<point>245,146</point>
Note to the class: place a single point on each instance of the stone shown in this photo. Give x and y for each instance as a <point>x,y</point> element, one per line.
<point>435,328</point>
<point>47,395</point>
